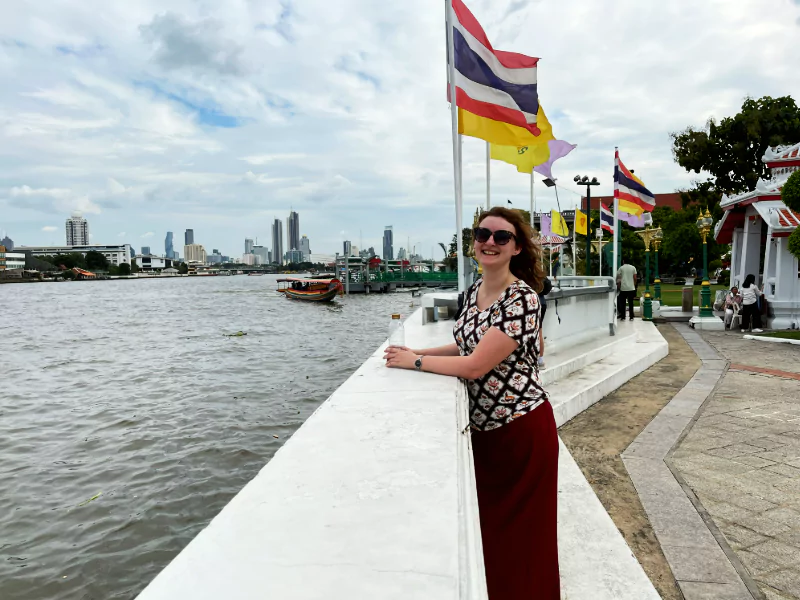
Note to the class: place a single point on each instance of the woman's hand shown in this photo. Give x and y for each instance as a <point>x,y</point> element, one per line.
<point>399,357</point>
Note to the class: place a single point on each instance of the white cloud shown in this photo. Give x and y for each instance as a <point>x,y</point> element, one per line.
<point>49,228</point>
<point>149,234</point>
<point>121,234</point>
<point>168,115</point>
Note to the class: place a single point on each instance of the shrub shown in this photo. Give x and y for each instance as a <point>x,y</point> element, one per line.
<point>794,243</point>
<point>724,278</point>
<point>790,194</point>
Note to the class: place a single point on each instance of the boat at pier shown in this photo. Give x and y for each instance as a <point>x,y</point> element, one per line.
<point>313,290</point>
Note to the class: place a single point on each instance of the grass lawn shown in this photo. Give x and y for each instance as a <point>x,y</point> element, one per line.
<point>671,293</point>
<point>786,335</point>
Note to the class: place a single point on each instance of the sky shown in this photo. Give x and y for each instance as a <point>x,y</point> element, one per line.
<point>155,116</point>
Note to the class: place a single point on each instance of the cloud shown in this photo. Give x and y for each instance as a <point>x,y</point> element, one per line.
<point>121,234</point>
<point>49,228</point>
<point>149,234</point>
<point>181,43</point>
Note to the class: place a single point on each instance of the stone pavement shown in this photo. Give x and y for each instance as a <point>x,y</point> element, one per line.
<point>742,460</point>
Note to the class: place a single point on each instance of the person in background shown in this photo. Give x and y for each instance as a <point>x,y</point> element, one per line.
<point>751,315</point>
<point>732,300</point>
<point>513,430</point>
<point>626,283</point>
<point>547,287</point>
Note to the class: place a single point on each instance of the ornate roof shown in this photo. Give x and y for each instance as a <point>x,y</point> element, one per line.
<point>782,161</point>
<point>780,154</point>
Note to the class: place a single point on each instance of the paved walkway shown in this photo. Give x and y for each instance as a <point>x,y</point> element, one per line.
<point>742,460</point>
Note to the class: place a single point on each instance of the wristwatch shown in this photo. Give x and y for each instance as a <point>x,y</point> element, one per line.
<point>418,363</point>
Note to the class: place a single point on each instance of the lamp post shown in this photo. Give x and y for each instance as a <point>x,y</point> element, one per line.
<point>585,181</point>
<point>648,235</point>
<point>598,246</point>
<point>704,222</point>
<point>657,280</point>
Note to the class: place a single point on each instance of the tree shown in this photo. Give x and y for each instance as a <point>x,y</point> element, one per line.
<point>183,268</point>
<point>124,269</point>
<point>790,194</point>
<point>96,261</point>
<point>731,150</point>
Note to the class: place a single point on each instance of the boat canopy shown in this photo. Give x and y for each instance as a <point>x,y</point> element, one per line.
<point>302,280</point>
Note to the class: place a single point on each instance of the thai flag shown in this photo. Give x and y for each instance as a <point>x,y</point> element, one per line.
<point>492,83</point>
<point>628,188</point>
<point>606,219</point>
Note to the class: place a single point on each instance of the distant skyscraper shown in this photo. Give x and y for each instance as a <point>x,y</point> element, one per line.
<point>347,247</point>
<point>145,249</point>
<point>77,230</point>
<point>169,250</point>
<point>388,243</point>
<point>8,243</point>
<point>277,241</point>
<point>188,237</point>
<point>371,251</point>
<point>262,253</point>
<point>195,253</point>
<point>305,248</point>
<point>293,231</point>
<point>401,254</point>
<point>294,256</point>
<point>248,246</point>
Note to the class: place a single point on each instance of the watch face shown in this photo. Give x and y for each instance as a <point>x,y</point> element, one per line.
<point>418,363</point>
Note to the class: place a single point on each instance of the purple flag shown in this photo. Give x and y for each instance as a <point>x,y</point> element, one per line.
<point>558,149</point>
<point>546,226</point>
<point>632,220</point>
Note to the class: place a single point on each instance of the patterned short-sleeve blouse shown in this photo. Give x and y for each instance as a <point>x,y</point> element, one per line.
<point>512,388</point>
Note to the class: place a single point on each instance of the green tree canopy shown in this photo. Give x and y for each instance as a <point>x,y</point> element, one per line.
<point>790,194</point>
<point>731,149</point>
<point>96,261</point>
<point>124,269</point>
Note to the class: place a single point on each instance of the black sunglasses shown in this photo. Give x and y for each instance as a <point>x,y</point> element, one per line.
<point>501,236</point>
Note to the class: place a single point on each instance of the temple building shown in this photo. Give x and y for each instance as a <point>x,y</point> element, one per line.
<point>758,225</point>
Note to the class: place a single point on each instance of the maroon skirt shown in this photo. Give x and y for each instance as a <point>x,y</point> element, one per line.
<point>516,471</point>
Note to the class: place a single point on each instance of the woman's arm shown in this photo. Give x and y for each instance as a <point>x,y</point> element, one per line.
<point>493,348</point>
<point>448,350</point>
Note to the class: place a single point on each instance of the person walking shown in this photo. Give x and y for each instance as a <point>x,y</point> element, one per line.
<point>514,438</point>
<point>626,283</point>
<point>751,315</point>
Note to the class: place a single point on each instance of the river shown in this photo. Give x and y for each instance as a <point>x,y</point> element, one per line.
<point>128,417</point>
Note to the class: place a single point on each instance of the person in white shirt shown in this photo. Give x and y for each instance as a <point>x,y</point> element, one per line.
<point>751,315</point>
<point>626,282</point>
<point>732,301</point>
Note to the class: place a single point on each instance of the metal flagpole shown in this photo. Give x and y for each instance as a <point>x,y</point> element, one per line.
<point>617,237</point>
<point>488,176</point>
<point>533,199</point>
<point>451,75</point>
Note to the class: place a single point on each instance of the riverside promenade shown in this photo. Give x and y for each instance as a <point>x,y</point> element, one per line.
<point>741,459</point>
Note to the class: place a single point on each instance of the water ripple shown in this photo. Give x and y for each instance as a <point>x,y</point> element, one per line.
<point>128,418</point>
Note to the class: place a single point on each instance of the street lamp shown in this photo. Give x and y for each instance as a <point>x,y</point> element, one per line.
<point>704,222</point>
<point>657,281</point>
<point>648,235</point>
<point>585,181</point>
<point>598,247</point>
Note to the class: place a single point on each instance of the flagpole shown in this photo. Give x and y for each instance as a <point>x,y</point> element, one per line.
<point>533,199</point>
<point>617,236</point>
<point>488,176</point>
<point>451,75</point>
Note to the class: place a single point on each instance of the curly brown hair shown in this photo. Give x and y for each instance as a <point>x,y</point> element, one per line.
<point>527,265</point>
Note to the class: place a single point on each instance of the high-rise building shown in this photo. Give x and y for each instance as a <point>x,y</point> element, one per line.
<point>262,253</point>
<point>188,237</point>
<point>146,250</point>
<point>277,241</point>
<point>169,250</point>
<point>294,256</point>
<point>194,253</point>
<point>401,254</point>
<point>347,248</point>
<point>8,243</point>
<point>293,231</point>
<point>305,248</point>
<point>77,230</point>
<point>388,243</point>
<point>371,251</point>
<point>248,246</point>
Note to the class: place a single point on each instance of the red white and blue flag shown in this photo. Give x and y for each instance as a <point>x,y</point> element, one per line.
<point>606,219</point>
<point>630,191</point>
<point>490,83</point>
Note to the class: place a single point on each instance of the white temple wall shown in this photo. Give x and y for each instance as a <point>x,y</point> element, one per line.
<point>736,255</point>
<point>751,247</point>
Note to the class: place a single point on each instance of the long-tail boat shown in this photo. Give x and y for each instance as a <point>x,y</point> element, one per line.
<point>313,290</point>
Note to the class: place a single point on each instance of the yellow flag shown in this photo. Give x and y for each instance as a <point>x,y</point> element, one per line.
<point>531,155</point>
<point>503,134</point>
<point>630,208</point>
<point>558,225</point>
<point>580,222</point>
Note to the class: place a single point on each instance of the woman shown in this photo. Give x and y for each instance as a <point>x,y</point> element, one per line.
<point>514,439</point>
<point>733,302</point>
<point>751,315</point>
